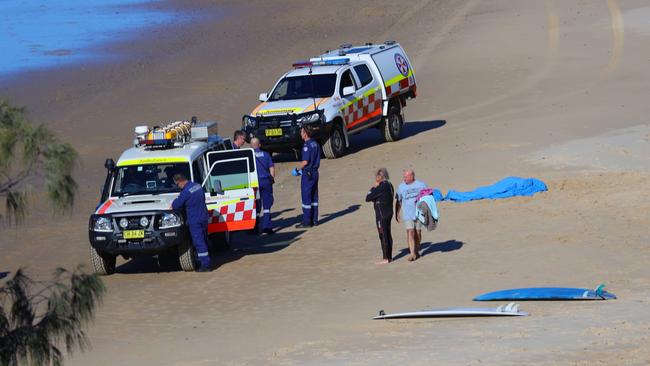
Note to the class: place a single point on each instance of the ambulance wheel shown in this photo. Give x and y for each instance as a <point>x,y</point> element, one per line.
<point>103,263</point>
<point>187,256</point>
<point>334,145</point>
<point>392,125</point>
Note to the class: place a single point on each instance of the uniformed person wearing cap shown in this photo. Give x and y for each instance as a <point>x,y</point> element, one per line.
<point>309,180</point>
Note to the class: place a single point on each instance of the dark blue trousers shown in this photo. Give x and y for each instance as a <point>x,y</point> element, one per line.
<point>309,192</point>
<point>266,194</point>
<point>199,234</point>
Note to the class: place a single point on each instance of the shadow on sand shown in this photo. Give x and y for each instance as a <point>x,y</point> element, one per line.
<point>241,245</point>
<point>430,248</point>
<point>373,137</point>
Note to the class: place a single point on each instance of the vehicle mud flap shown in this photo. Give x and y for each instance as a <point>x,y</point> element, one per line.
<point>346,137</point>
<point>219,242</point>
<point>392,124</point>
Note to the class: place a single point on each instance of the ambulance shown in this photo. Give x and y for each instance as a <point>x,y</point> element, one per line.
<point>134,216</point>
<point>335,95</point>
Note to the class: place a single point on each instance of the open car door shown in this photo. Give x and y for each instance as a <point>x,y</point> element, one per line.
<point>230,187</point>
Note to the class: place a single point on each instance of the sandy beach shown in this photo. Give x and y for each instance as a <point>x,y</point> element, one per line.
<point>555,90</point>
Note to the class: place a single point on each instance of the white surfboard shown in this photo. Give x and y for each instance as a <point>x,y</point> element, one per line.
<point>511,309</point>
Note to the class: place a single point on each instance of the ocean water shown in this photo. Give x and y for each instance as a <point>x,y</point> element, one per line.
<point>37,34</point>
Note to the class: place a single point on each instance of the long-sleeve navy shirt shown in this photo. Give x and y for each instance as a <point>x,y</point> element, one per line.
<point>192,199</point>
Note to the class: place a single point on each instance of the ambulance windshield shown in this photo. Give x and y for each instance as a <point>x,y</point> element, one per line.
<point>148,178</point>
<point>305,86</point>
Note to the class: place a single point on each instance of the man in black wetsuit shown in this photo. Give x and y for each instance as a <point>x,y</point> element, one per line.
<point>381,194</point>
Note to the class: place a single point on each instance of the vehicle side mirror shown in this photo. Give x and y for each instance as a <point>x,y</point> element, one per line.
<point>348,90</point>
<point>109,164</point>
<point>264,97</point>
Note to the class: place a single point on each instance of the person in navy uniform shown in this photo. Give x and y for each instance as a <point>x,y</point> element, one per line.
<point>309,181</point>
<point>192,200</point>
<point>266,178</point>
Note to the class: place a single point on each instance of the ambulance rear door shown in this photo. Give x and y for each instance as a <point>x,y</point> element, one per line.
<point>230,188</point>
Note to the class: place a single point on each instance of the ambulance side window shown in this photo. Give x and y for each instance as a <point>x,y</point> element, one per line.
<point>346,80</point>
<point>365,77</point>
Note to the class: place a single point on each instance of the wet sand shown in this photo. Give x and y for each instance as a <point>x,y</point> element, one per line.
<point>552,90</point>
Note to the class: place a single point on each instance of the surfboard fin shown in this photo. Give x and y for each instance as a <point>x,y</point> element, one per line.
<point>599,290</point>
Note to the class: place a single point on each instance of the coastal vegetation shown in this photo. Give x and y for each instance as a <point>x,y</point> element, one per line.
<point>32,153</point>
<point>37,318</point>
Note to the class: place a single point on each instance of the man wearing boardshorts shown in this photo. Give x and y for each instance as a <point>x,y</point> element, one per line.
<point>406,195</point>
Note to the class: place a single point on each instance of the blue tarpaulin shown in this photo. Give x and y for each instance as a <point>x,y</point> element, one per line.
<point>507,187</point>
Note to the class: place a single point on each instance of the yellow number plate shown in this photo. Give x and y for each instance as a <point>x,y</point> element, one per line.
<point>134,234</point>
<point>274,132</point>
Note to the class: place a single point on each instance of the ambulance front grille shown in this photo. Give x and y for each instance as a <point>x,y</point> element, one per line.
<point>274,123</point>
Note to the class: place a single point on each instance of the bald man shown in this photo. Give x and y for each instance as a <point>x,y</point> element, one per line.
<point>266,177</point>
<point>406,195</point>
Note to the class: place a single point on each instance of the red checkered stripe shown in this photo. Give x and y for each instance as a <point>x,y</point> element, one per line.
<point>362,107</point>
<point>400,86</point>
<point>243,210</point>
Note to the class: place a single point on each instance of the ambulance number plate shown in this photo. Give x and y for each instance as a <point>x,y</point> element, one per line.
<point>274,132</point>
<point>134,234</point>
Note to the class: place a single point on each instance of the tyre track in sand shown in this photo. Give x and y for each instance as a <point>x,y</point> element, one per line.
<point>541,74</point>
<point>553,40</point>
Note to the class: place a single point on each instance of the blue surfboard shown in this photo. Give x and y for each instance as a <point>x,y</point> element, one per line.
<point>547,293</point>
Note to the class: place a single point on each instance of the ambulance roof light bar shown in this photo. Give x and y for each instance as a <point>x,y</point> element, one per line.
<point>300,64</point>
<point>174,134</point>
<point>322,62</point>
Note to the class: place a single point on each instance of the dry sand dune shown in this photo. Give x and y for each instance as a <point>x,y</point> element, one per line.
<point>551,89</point>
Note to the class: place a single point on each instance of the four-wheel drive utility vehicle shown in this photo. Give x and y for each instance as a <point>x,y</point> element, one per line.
<point>336,94</point>
<point>134,216</point>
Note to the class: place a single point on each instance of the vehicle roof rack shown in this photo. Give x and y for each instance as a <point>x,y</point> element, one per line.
<point>389,43</point>
<point>174,134</point>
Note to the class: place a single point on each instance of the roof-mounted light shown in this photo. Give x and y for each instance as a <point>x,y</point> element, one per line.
<point>335,61</point>
<point>302,64</point>
<point>322,62</point>
<point>174,134</point>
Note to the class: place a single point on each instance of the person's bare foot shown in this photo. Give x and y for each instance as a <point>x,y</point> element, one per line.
<point>383,261</point>
<point>411,258</point>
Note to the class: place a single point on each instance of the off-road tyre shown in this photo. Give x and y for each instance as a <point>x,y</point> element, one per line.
<point>187,257</point>
<point>334,145</point>
<point>103,263</point>
<point>392,126</point>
